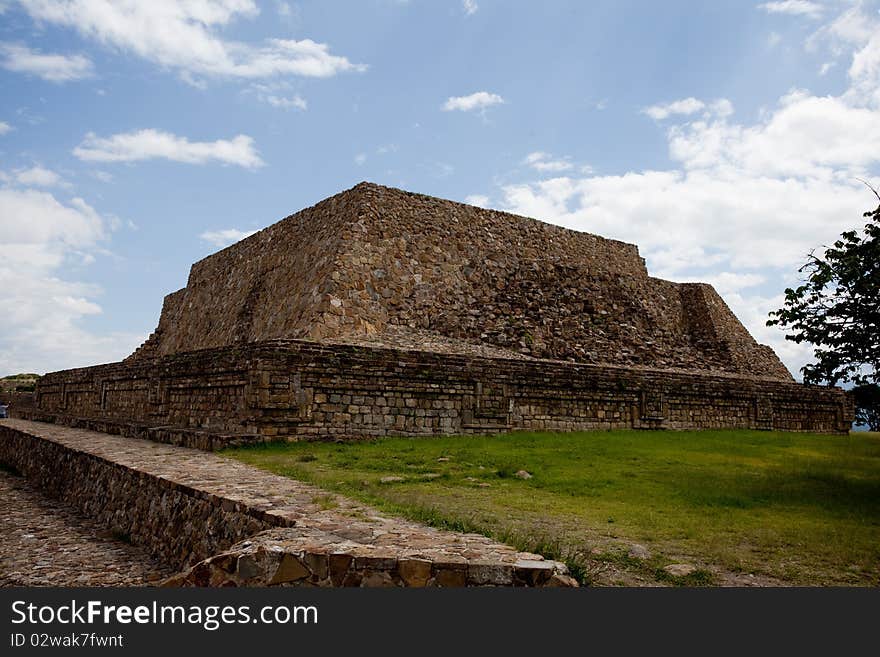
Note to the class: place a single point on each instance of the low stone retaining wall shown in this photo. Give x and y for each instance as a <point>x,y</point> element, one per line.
<point>236,525</point>
<point>178,523</point>
<point>308,390</point>
<point>306,557</point>
<point>208,441</point>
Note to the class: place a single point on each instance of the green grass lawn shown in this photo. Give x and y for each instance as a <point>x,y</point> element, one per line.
<point>742,506</point>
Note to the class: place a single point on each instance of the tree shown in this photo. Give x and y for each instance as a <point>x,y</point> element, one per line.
<point>867,400</point>
<point>837,310</point>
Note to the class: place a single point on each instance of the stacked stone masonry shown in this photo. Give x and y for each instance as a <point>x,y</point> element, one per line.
<point>307,390</point>
<point>376,261</point>
<point>381,312</point>
<point>229,524</point>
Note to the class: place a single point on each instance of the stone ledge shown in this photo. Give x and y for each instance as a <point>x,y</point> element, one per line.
<point>208,441</point>
<point>237,525</point>
<point>303,557</point>
<point>301,390</point>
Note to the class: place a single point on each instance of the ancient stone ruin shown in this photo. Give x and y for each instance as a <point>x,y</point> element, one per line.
<point>382,312</point>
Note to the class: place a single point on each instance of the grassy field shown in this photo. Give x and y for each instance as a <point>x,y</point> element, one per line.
<point>742,507</point>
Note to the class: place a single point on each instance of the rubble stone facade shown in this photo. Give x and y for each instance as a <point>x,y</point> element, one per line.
<point>306,390</point>
<point>381,312</point>
<point>373,258</point>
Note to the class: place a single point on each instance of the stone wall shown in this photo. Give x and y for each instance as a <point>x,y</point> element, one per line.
<point>378,263</point>
<point>17,400</point>
<point>236,525</point>
<point>309,390</point>
<point>178,523</point>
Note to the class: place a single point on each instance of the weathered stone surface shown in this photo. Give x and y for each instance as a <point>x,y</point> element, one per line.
<point>561,581</point>
<point>236,525</point>
<point>303,390</point>
<point>43,543</point>
<point>410,315</point>
<point>290,570</point>
<point>377,263</point>
<point>415,572</point>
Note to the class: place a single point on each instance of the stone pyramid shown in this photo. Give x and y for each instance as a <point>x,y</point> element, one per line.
<point>384,267</point>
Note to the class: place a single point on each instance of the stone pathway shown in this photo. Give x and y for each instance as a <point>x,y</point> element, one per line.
<point>44,543</point>
<point>325,524</point>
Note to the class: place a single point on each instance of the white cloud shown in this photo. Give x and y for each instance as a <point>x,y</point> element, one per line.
<point>480,200</point>
<point>727,282</point>
<point>689,224</point>
<point>103,176</point>
<point>37,176</point>
<point>685,106</point>
<point>360,158</point>
<point>185,36</point>
<point>470,7</point>
<point>544,162</point>
<point>475,101</point>
<point>856,33</point>
<point>52,67</point>
<point>294,102</point>
<point>42,310</point>
<point>805,135</point>
<point>151,144</point>
<point>4,127</point>
<point>31,218</point>
<point>225,237</point>
<point>275,93</point>
<point>793,8</point>
<point>743,202</point>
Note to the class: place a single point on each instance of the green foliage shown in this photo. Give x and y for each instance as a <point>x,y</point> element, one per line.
<point>867,399</point>
<point>837,308</point>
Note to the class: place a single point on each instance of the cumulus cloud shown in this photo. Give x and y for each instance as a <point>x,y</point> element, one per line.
<point>42,308</point>
<point>226,236</point>
<point>742,202</point>
<point>540,161</point>
<point>475,101</point>
<point>470,7</point>
<point>684,106</point>
<point>152,144</point>
<point>186,36</point>
<point>52,67</point>
<point>805,135</point>
<point>793,8</point>
<point>690,223</point>
<point>37,176</point>
<point>4,127</point>
<point>32,218</point>
<point>480,200</point>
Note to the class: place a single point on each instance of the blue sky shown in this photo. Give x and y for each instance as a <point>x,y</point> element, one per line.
<point>724,138</point>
